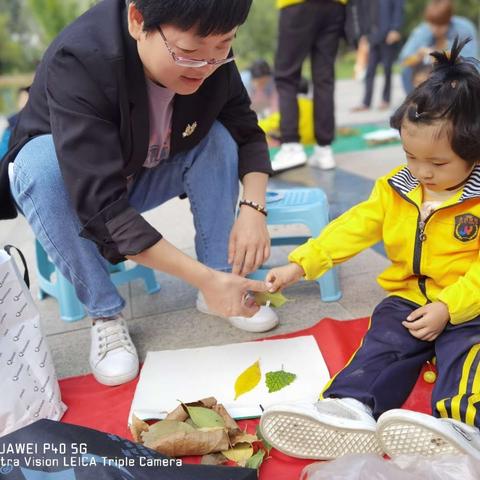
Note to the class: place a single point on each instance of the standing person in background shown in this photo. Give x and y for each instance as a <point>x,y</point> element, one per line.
<point>436,33</point>
<point>307,27</point>
<point>386,18</point>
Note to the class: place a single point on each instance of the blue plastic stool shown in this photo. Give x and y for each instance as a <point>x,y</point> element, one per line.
<point>305,206</point>
<point>71,308</point>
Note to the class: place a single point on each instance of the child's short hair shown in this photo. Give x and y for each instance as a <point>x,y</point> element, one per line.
<point>208,16</point>
<point>452,93</point>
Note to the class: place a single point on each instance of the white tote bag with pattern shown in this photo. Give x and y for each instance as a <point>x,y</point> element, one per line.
<point>28,384</point>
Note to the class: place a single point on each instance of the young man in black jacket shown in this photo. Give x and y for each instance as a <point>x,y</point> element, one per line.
<point>133,104</point>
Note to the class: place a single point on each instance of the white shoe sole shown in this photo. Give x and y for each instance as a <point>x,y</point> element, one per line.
<point>301,436</point>
<point>401,432</point>
<point>243,323</point>
<point>112,381</point>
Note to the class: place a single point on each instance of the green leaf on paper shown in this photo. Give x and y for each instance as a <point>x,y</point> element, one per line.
<point>276,299</point>
<point>275,381</point>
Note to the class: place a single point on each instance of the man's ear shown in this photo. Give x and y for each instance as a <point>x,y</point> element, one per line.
<point>135,22</point>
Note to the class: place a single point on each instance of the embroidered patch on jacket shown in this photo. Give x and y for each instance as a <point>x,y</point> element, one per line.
<point>466,227</point>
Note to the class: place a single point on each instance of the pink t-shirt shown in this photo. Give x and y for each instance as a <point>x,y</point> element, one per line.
<point>160,101</point>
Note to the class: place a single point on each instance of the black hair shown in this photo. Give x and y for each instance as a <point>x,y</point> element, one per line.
<point>260,68</point>
<point>452,94</point>
<point>208,16</point>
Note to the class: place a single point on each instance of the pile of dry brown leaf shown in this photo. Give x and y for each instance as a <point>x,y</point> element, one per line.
<point>201,428</point>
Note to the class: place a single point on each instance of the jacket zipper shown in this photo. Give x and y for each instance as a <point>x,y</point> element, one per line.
<point>420,237</point>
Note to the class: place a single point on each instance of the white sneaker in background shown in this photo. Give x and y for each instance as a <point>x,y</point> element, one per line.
<point>403,432</point>
<point>328,429</point>
<point>290,155</point>
<point>113,357</point>
<point>322,157</point>
<point>265,319</point>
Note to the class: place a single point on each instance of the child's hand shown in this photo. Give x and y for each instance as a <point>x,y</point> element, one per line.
<point>280,277</point>
<point>428,322</point>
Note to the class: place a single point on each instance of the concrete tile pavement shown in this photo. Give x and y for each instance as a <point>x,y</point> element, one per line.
<point>169,320</point>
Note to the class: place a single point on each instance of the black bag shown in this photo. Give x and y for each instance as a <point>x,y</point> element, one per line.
<point>48,450</point>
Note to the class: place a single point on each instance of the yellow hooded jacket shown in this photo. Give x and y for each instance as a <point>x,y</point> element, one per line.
<point>435,259</point>
<point>287,3</point>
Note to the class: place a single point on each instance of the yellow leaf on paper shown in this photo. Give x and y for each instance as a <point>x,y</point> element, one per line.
<point>248,379</point>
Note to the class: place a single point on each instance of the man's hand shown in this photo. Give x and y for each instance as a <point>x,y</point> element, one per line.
<point>226,294</point>
<point>249,244</point>
<point>393,37</point>
<point>281,277</point>
<point>428,322</point>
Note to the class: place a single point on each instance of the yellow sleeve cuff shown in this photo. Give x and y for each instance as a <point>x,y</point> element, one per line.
<point>314,260</point>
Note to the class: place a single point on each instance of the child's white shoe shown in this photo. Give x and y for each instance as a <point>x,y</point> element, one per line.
<point>403,432</point>
<point>325,430</point>
<point>263,321</point>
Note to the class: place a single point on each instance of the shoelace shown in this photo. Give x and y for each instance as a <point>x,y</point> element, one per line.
<point>111,335</point>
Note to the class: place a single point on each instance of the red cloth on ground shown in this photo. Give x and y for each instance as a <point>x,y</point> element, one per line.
<point>106,408</point>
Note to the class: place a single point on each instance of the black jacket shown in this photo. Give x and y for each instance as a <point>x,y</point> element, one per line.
<point>89,92</point>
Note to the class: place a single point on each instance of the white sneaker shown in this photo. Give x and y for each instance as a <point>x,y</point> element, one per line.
<point>290,155</point>
<point>265,319</point>
<point>325,430</point>
<point>403,432</point>
<point>322,157</point>
<point>113,357</point>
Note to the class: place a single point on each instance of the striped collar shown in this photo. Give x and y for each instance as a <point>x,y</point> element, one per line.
<point>404,182</point>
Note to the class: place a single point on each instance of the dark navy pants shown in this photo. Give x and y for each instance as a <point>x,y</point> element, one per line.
<point>383,371</point>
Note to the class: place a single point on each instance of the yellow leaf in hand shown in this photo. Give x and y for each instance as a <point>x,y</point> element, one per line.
<point>248,379</point>
<point>276,299</point>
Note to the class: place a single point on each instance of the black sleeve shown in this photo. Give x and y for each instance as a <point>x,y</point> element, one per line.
<point>88,147</point>
<point>241,121</point>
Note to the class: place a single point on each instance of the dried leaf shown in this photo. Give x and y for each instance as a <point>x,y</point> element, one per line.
<point>276,299</point>
<point>240,453</point>
<point>256,460</point>
<point>214,459</point>
<point>230,423</point>
<point>180,412</point>
<point>137,427</point>
<point>163,428</point>
<point>205,417</point>
<point>243,437</point>
<point>248,379</point>
<point>275,381</point>
<point>194,443</point>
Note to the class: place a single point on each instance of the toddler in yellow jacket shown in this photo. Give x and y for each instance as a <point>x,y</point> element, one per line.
<point>428,215</point>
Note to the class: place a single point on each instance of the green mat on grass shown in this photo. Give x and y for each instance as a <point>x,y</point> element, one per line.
<point>349,140</point>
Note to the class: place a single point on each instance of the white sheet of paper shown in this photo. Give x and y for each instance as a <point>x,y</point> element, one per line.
<point>187,375</point>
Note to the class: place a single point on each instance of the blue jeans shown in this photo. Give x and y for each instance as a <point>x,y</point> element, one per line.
<point>208,174</point>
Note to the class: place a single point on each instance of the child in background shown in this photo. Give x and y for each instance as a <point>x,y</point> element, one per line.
<point>428,215</point>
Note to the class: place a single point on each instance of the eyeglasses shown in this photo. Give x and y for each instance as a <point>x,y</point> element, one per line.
<point>190,62</point>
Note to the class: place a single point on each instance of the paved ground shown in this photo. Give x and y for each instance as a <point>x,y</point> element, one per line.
<point>169,320</point>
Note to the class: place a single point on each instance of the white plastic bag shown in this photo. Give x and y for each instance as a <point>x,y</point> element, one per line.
<point>373,467</point>
<point>28,384</point>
